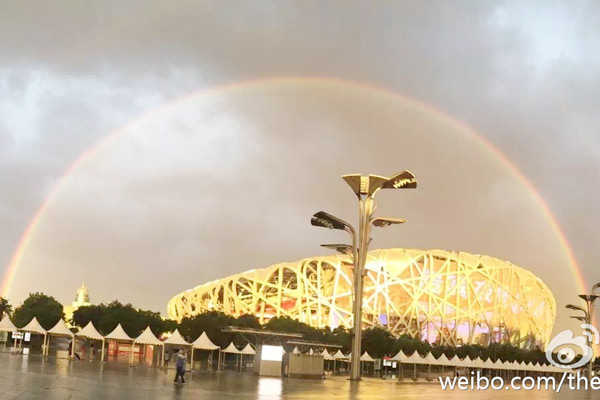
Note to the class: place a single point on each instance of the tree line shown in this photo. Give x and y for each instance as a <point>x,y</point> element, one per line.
<point>378,342</point>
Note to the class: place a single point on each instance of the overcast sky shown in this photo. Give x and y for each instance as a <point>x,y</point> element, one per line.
<point>226,181</point>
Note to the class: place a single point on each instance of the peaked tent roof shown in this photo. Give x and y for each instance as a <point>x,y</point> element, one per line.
<point>416,358</point>
<point>60,329</point>
<point>516,365</point>
<point>6,325</point>
<point>400,356</point>
<point>33,327</point>
<point>204,343</point>
<point>488,363</point>
<point>176,339</point>
<point>465,362</point>
<point>118,334</point>
<point>248,350</point>
<point>340,356</point>
<point>455,360</point>
<point>430,359</point>
<point>147,337</point>
<point>477,363</point>
<point>326,355</point>
<point>232,349</point>
<point>443,360</point>
<point>366,357</point>
<point>90,332</point>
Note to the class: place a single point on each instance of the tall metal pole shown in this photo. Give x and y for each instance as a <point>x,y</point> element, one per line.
<point>365,188</point>
<point>591,366</point>
<point>589,316</point>
<point>364,233</point>
<point>590,311</point>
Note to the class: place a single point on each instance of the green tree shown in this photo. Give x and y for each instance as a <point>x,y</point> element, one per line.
<point>378,342</point>
<point>290,325</point>
<point>106,317</point>
<point>46,309</point>
<point>5,307</point>
<point>340,336</point>
<point>469,350</point>
<point>409,344</point>
<point>212,323</point>
<point>248,321</point>
<point>83,315</point>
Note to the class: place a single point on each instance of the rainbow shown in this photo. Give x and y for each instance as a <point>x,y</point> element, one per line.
<point>25,239</point>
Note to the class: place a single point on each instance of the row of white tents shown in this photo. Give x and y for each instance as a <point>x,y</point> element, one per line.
<point>118,335</point>
<point>204,343</point>
<point>443,361</point>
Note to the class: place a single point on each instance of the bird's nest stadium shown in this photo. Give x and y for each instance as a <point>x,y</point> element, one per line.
<point>448,298</point>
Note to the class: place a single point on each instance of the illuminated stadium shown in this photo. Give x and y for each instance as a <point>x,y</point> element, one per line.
<point>448,298</point>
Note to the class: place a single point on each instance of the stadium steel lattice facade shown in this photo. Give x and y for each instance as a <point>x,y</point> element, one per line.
<point>450,298</point>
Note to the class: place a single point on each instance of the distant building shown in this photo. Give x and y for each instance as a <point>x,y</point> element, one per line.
<point>82,298</point>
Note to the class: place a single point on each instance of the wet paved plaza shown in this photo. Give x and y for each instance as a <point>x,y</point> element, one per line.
<point>30,377</point>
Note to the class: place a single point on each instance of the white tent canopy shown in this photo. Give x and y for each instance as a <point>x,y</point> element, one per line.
<point>444,361</point>
<point>326,355</point>
<point>516,366</point>
<point>176,339</point>
<point>147,337</point>
<point>430,359</point>
<point>340,356</point>
<point>366,357</point>
<point>248,350</point>
<point>416,358</point>
<point>60,329</point>
<point>456,360</point>
<point>476,363</point>
<point>90,332</point>
<point>118,334</point>
<point>232,349</point>
<point>6,325</point>
<point>33,327</point>
<point>204,343</point>
<point>400,356</point>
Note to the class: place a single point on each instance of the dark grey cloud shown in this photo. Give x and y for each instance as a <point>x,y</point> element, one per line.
<point>522,74</point>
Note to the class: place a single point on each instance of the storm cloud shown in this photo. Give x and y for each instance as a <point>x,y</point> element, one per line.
<point>227,183</point>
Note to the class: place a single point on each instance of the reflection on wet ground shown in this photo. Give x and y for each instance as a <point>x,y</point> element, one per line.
<point>30,377</point>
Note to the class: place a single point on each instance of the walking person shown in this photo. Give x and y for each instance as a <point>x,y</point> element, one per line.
<point>180,366</point>
<point>70,350</point>
<point>92,353</point>
<point>167,358</point>
<point>75,355</point>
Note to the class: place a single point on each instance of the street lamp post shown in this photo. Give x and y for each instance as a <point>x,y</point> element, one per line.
<point>588,317</point>
<point>365,188</point>
<point>327,220</point>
